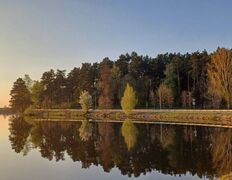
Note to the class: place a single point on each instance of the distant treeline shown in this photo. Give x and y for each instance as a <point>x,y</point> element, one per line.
<point>5,110</point>
<point>170,80</point>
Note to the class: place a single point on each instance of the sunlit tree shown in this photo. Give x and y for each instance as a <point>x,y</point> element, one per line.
<point>165,95</point>
<point>85,101</point>
<point>220,74</point>
<point>129,100</point>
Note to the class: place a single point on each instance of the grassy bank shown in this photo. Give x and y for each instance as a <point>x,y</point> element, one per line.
<point>198,117</point>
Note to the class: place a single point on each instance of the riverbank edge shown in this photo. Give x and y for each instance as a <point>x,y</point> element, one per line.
<point>171,116</point>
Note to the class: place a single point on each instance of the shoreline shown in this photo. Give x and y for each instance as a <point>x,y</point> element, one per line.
<point>216,118</point>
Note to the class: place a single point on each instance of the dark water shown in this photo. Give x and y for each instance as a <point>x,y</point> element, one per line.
<point>82,150</point>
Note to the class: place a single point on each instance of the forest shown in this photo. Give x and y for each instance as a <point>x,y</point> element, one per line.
<point>170,80</point>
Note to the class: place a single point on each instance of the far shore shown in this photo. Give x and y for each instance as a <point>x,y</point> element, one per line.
<point>212,117</point>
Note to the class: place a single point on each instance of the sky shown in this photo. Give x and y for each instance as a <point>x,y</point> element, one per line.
<point>39,35</point>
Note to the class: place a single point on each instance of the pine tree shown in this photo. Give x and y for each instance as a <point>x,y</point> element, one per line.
<point>20,96</point>
<point>105,85</point>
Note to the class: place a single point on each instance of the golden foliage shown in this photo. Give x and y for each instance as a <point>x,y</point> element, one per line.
<point>226,177</point>
<point>222,150</point>
<point>85,130</point>
<point>85,100</point>
<point>220,75</point>
<point>129,100</point>
<point>130,133</point>
<point>165,95</point>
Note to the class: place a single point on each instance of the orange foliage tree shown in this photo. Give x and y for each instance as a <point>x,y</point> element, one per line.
<point>220,75</point>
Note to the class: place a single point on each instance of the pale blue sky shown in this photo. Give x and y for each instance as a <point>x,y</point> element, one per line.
<point>37,35</point>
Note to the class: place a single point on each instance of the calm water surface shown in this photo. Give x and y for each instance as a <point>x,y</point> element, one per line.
<point>83,150</point>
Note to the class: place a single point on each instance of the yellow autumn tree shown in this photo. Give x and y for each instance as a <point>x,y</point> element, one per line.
<point>220,75</point>
<point>129,100</point>
<point>85,101</point>
<point>165,95</point>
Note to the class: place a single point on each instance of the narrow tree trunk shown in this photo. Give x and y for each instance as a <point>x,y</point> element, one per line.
<point>160,100</point>
<point>161,133</point>
<point>178,80</point>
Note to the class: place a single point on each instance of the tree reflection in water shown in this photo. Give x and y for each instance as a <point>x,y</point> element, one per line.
<point>85,130</point>
<point>174,150</point>
<point>226,177</point>
<point>19,134</point>
<point>130,133</point>
<point>221,150</point>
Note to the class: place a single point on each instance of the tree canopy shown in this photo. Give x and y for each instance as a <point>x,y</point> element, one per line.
<point>20,96</point>
<point>85,101</point>
<point>206,77</point>
<point>220,74</point>
<point>129,100</point>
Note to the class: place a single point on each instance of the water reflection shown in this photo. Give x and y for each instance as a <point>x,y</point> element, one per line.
<point>130,133</point>
<point>226,177</point>
<point>133,149</point>
<point>85,130</point>
<point>221,150</point>
<point>19,135</point>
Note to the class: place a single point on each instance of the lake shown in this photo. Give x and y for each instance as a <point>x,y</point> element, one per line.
<point>83,150</point>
